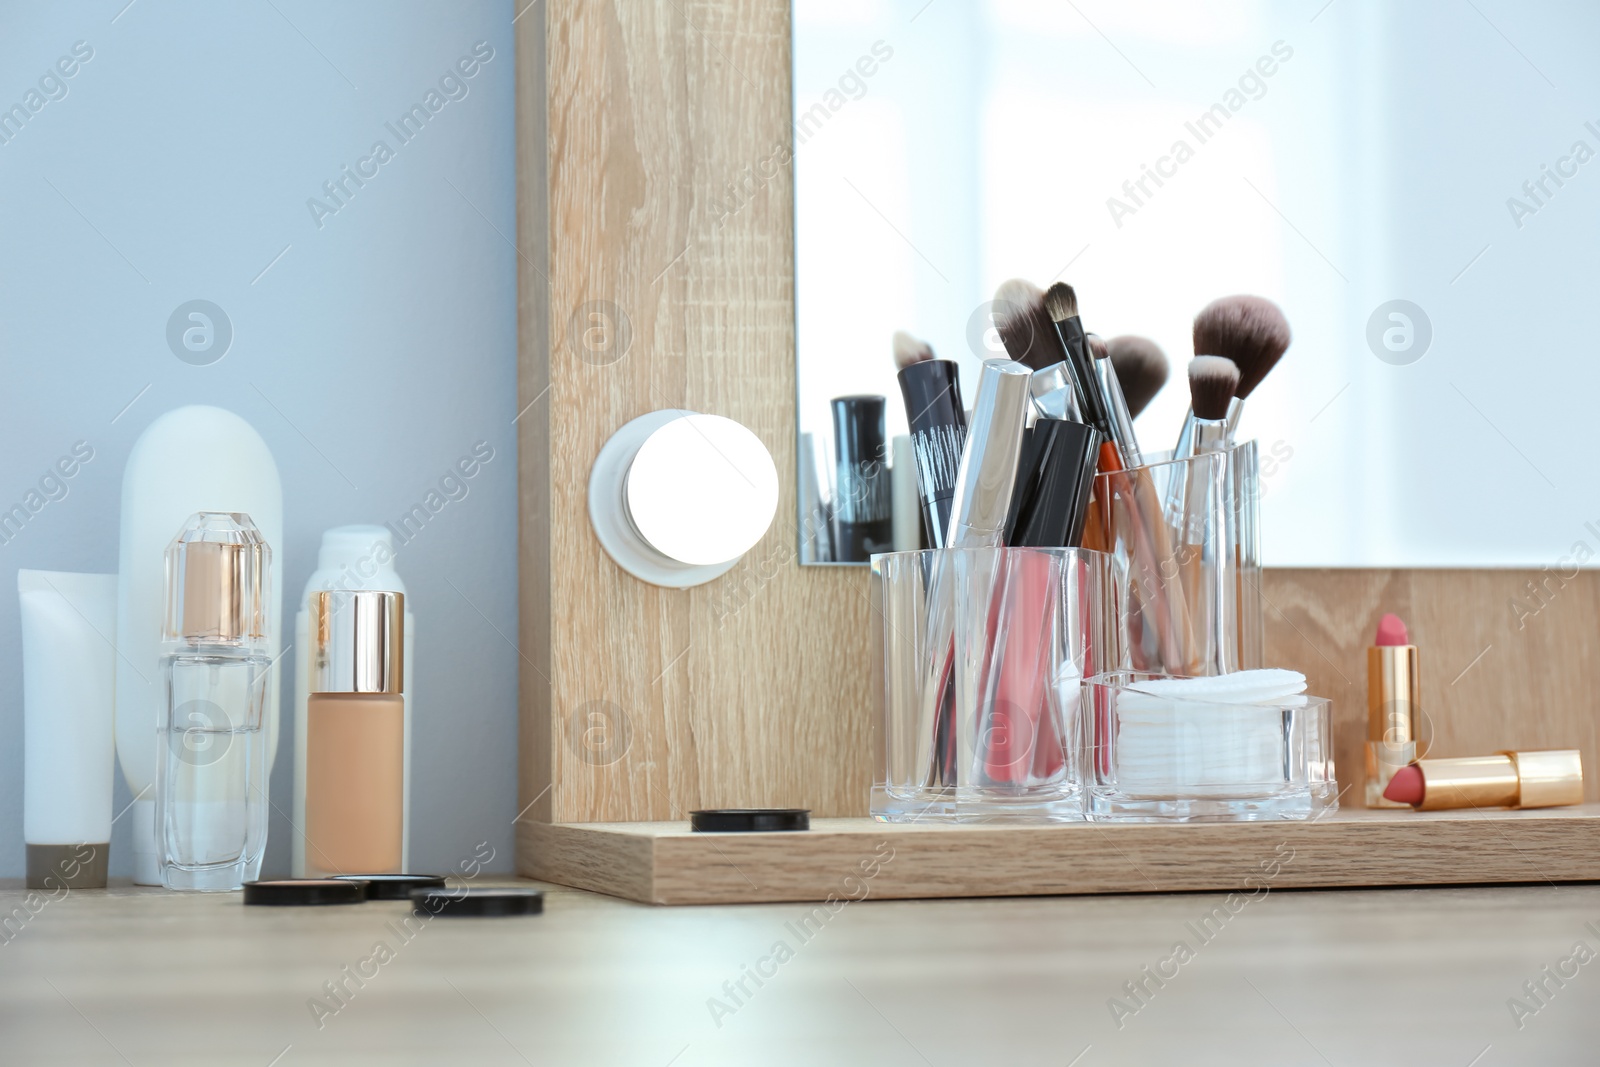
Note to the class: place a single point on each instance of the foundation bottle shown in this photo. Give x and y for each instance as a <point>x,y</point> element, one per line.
<point>350,558</point>
<point>355,734</point>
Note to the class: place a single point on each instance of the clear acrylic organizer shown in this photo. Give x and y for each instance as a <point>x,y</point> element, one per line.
<point>1153,757</point>
<point>978,660</point>
<point>1187,536</point>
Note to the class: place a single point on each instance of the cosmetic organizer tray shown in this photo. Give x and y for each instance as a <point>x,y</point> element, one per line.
<point>860,858</point>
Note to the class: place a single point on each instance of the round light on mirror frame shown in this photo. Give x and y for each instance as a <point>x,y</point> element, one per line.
<point>676,497</point>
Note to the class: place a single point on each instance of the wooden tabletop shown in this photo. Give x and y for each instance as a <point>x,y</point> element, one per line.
<point>1401,976</point>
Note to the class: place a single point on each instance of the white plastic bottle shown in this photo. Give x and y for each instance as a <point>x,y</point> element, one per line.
<point>351,557</point>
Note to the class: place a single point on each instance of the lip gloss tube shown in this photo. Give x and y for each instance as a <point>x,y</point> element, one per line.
<point>355,725</point>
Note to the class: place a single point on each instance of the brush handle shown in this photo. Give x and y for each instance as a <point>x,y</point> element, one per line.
<point>1117,414</point>
<point>1157,602</point>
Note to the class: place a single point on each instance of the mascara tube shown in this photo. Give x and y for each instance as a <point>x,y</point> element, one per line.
<point>938,422</point>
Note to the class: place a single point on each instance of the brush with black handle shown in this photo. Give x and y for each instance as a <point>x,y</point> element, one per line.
<point>1129,510</point>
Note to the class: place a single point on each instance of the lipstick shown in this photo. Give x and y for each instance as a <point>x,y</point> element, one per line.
<point>1394,708</point>
<point>1550,779</point>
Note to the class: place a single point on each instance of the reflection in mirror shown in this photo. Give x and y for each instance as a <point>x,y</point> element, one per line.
<point>1413,185</point>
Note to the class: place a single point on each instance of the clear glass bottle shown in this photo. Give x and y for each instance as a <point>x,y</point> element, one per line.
<point>211,769</point>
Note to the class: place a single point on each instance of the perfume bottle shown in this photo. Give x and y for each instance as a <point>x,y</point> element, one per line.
<point>211,766</point>
<point>355,734</point>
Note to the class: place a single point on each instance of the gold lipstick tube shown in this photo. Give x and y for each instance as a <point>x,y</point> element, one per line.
<point>1394,716</point>
<point>1549,779</point>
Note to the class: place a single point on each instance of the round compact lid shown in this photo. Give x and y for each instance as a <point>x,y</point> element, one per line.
<point>393,886</point>
<point>749,820</point>
<point>299,892</point>
<point>702,490</point>
<point>477,903</point>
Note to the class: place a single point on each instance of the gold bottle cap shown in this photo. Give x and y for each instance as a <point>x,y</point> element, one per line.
<point>358,641</point>
<point>218,580</point>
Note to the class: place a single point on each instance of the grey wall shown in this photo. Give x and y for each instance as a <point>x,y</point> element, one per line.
<point>371,350</point>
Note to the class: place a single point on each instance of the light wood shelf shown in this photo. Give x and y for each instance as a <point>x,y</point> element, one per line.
<point>666,863</point>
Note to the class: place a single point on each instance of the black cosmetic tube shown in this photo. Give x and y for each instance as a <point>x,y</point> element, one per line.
<point>938,422</point>
<point>1051,501</point>
<point>863,520</point>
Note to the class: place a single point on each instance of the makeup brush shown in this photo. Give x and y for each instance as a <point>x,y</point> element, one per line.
<point>1061,304</point>
<point>1030,338</point>
<point>1251,331</point>
<point>1116,403</point>
<point>1024,325</point>
<point>909,351</point>
<point>1141,369</point>
<point>931,389</point>
<point>1130,508</point>
<point>1213,382</point>
<point>1206,572</point>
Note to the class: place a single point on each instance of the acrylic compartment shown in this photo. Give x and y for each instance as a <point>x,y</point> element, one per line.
<point>1187,536</point>
<point>1153,757</point>
<point>978,656</point>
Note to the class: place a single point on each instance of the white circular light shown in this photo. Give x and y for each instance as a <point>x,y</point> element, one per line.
<point>702,490</point>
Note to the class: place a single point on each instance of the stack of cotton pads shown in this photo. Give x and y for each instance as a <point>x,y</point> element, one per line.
<point>1192,735</point>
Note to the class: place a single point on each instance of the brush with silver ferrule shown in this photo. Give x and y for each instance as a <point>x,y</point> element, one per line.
<point>1061,304</point>
<point>1208,524</point>
<point>1141,369</point>
<point>1130,507</point>
<point>1251,331</point>
<point>1116,404</point>
<point>1030,338</point>
<point>1213,381</point>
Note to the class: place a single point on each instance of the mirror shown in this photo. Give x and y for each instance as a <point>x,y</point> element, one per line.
<point>1415,185</point>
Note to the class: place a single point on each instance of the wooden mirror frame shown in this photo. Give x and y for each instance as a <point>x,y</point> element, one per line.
<point>656,269</point>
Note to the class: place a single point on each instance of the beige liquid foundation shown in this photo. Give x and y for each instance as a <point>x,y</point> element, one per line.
<point>355,734</point>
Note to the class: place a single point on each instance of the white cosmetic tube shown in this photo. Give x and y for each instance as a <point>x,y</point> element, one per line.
<point>68,733</point>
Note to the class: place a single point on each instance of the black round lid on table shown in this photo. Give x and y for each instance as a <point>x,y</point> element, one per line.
<point>393,886</point>
<point>303,892</point>
<point>749,820</point>
<point>477,903</point>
